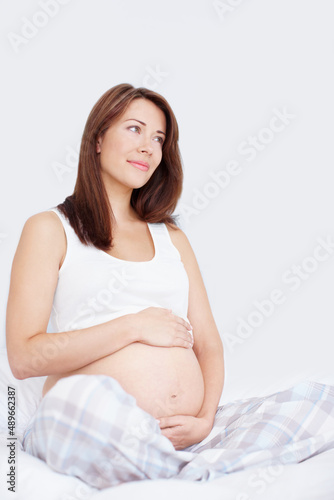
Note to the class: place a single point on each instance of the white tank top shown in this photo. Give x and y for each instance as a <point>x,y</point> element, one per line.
<point>95,287</point>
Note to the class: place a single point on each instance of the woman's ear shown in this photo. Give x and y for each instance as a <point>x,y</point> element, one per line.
<point>98,145</point>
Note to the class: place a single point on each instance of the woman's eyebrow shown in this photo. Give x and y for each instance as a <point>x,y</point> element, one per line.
<point>160,132</point>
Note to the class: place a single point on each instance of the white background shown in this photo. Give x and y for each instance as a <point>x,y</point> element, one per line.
<point>224,70</point>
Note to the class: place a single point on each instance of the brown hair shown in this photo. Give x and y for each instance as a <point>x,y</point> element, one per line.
<point>88,209</point>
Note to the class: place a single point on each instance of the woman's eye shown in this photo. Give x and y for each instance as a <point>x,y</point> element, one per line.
<point>137,129</point>
<point>134,126</point>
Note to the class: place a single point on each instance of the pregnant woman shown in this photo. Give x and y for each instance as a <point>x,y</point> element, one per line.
<point>131,333</point>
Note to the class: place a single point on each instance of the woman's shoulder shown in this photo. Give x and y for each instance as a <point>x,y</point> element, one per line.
<point>44,228</point>
<point>179,239</point>
<point>174,231</point>
<point>42,242</point>
<point>47,222</point>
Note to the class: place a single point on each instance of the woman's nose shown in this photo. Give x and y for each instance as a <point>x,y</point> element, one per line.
<point>145,146</point>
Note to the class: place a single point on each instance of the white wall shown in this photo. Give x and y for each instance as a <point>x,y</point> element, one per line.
<point>227,68</point>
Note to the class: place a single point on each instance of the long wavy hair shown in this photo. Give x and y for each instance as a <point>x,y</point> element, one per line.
<point>88,209</point>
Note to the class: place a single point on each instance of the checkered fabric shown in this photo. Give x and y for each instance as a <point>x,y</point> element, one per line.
<point>89,427</point>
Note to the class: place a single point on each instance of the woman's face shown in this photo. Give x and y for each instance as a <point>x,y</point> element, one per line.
<point>136,136</point>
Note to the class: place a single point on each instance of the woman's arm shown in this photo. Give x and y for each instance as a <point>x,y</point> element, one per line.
<point>31,351</point>
<point>208,345</point>
<point>212,365</point>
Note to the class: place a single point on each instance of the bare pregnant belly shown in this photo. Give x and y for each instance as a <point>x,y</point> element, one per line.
<point>164,380</point>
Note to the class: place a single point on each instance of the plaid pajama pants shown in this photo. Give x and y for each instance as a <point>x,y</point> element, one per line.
<point>87,426</point>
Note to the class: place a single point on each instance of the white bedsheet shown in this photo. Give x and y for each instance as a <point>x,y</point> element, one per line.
<point>309,480</point>
<point>312,479</point>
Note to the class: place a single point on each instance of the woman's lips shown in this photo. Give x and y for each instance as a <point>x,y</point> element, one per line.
<point>139,165</point>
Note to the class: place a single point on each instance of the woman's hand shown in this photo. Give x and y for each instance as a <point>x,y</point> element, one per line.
<point>158,326</point>
<point>184,430</point>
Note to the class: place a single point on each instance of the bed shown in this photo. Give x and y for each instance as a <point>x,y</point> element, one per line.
<point>311,479</point>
